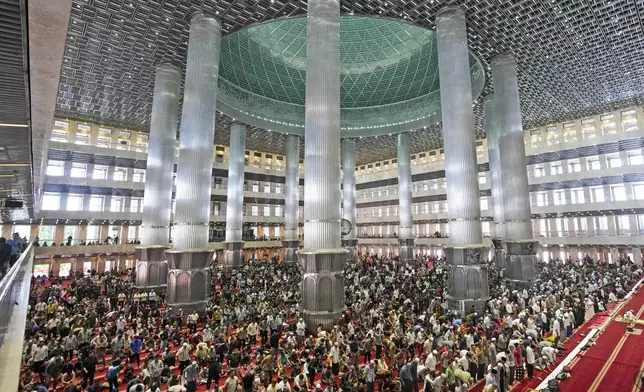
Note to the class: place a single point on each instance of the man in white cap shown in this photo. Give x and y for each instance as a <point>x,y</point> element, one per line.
<point>300,330</point>
<point>431,361</point>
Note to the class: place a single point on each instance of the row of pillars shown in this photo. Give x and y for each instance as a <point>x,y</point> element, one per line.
<point>323,257</point>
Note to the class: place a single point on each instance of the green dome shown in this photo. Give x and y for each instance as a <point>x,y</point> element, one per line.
<point>389,75</point>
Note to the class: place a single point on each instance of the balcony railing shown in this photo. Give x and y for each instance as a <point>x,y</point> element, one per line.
<point>14,300</point>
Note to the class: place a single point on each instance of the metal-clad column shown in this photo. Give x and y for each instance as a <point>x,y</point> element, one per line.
<point>291,242</point>
<point>493,129</point>
<point>520,244</point>
<point>322,258</point>
<point>350,241</point>
<point>189,261</point>
<point>234,246</point>
<point>406,231</point>
<point>468,287</point>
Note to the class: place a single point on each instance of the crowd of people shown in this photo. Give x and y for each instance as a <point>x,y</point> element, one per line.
<point>97,333</point>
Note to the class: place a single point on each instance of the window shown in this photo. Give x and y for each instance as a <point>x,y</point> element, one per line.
<point>618,192</point>
<point>70,231</point>
<point>82,139</point>
<point>482,178</point>
<point>278,188</point>
<point>638,191</point>
<point>559,197</point>
<point>635,158</point>
<point>96,203</point>
<point>256,163</point>
<point>574,166</point>
<point>577,196</point>
<point>24,231</point>
<point>623,223</point>
<point>74,202</point>
<point>267,164</point>
<point>135,204</point>
<point>51,201</point>
<point>59,136</point>
<point>103,141</point>
<point>592,164</point>
<point>556,168</point>
<point>255,187</point>
<point>117,204</point>
<point>485,227</point>
<point>47,234</point>
<point>267,188</point>
<point>139,175</point>
<point>426,208</point>
<point>123,144</point>
<point>484,203</point>
<point>602,223</point>
<point>56,168</point>
<point>542,199</point>
<point>543,227</point>
<point>100,172</point>
<point>278,210</point>
<point>539,171</point>
<point>120,174</point>
<point>597,194</point>
<point>79,170</point>
<point>254,210</point>
<point>614,160</point>
<point>132,233</point>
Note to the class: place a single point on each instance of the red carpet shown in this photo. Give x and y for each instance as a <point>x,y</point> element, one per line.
<point>612,362</point>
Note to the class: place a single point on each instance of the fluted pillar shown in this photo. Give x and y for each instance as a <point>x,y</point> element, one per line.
<point>234,245</point>
<point>349,241</point>
<point>492,127</point>
<point>189,261</point>
<point>520,244</point>
<point>291,242</point>
<point>322,258</point>
<point>151,264</point>
<point>406,230</point>
<point>466,254</point>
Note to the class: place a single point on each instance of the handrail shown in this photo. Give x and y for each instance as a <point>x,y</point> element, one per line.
<point>10,288</point>
<point>14,295</point>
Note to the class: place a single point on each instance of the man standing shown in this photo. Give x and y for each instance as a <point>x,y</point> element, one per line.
<point>89,368</point>
<point>214,372</point>
<point>405,378</point>
<point>529,360</point>
<point>370,375</point>
<point>5,256</point>
<point>135,350</point>
<point>190,374</point>
<point>155,367</point>
<point>16,248</point>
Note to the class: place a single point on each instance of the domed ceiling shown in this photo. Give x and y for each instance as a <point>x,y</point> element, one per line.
<point>389,75</point>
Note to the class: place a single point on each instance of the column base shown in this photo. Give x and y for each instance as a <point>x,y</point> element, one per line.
<point>188,279</point>
<point>520,261</point>
<point>467,280</point>
<point>351,244</point>
<point>151,267</point>
<point>407,250</point>
<point>322,286</point>
<point>290,248</point>
<point>499,254</point>
<point>233,254</point>
<point>313,320</point>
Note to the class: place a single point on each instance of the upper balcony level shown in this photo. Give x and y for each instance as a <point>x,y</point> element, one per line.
<point>609,133</point>
<point>602,134</point>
